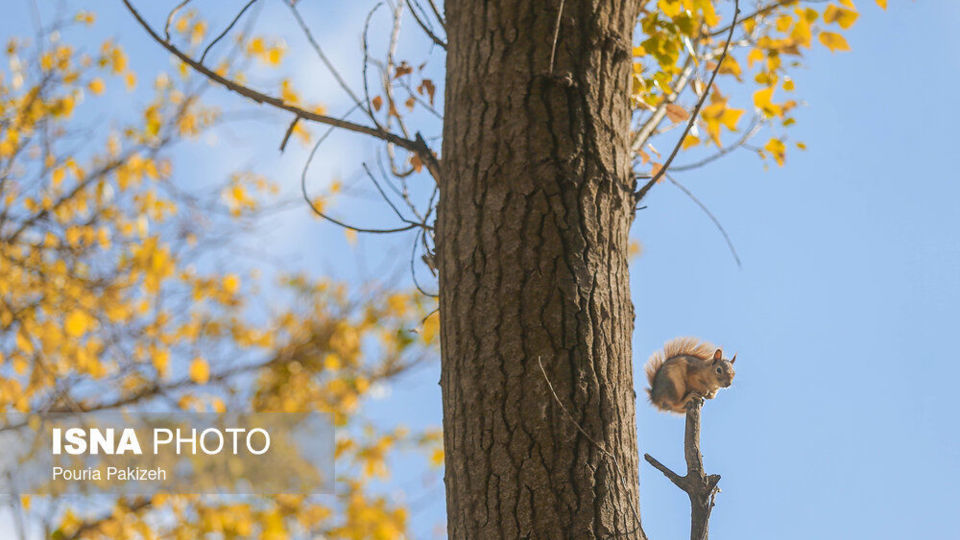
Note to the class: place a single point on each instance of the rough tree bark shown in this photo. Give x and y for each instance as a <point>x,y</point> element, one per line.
<point>532,248</point>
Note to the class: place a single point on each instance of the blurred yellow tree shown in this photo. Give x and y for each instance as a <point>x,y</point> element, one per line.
<point>120,287</point>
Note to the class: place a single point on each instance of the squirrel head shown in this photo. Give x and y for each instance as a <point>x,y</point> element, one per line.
<point>722,369</point>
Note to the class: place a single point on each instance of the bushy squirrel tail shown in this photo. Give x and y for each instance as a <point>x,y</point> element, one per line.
<point>651,368</point>
<point>681,346</point>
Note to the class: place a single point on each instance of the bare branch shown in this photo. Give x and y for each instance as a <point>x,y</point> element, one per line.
<point>713,218</point>
<point>319,212</point>
<point>747,135</point>
<point>289,132</point>
<point>171,15</point>
<point>413,268</point>
<point>700,488</point>
<point>425,26</point>
<point>436,13</point>
<point>226,30</point>
<point>323,57</point>
<point>416,147</point>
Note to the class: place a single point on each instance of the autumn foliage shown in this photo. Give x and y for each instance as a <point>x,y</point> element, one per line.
<point>118,286</point>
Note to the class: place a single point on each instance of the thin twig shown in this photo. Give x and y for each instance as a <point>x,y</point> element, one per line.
<point>422,23</point>
<point>617,472</point>
<point>306,196</point>
<point>413,268</point>
<point>385,198</point>
<point>323,57</point>
<point>226,30</point>
<point>747,135</point>
<point>171,15</point>
<point>556,36</point>
<point>713,218</point>
<point>436,13</point>
<point>762,11</point>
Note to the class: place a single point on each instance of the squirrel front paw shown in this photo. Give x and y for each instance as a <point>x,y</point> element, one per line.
<point>695,400</point>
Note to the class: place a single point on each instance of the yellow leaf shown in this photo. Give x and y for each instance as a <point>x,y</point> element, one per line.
<point>77,323</point>
<point>96,86</point>
<point>844,17</point>
<point>670,8</point>
<point>331,362</point>
<point>778,149</point>
<point>288,93</point>
<point>882,3</point>
<point>430,327</point>
<point>730,117</point>
<point>24,343</point>
<point>436,458</point>
<point>57,176</point>
<point>161,360</point>
<point>199,371</point>
<point>834,42</point>
<point>275,56</point>
<point>762,99</point>
<point>85,17</point>
<point>231,283</point>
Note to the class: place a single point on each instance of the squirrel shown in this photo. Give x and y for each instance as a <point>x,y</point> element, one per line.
<point>686,369</point>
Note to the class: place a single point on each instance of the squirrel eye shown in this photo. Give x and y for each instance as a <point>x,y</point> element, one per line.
<point>719,370</point>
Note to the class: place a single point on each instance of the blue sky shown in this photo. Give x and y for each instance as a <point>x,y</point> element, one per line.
<point>841,421</point>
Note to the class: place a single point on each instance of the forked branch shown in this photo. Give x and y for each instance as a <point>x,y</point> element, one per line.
<point>700,487</point>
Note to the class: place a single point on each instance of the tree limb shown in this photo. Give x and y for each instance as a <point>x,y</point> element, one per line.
<point>417,147</point>
<point>701,488</point>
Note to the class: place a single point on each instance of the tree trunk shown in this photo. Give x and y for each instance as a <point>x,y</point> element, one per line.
<point>532,245</point>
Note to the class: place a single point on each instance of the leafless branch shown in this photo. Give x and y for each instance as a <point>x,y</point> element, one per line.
<point>713,218</point>
<point>418,147</point>
<point>425,26</point>
<point>289,132</point>
<point>323,57</point>
<point>747,135</point>
<point>436,13</point>
<point>226,30</point>
<point>413,267</point>
<point>319,212</point>
<point>701,488</point>
<point>171,15</point>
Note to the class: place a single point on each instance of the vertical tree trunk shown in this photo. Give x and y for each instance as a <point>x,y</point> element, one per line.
<point>532,243</point>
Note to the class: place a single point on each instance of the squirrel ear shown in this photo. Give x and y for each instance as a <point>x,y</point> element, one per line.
<point>734,359</point>
<point>717,355</point>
